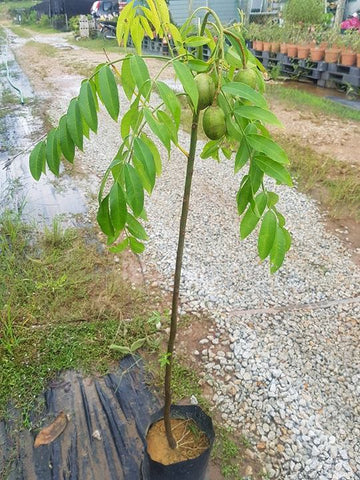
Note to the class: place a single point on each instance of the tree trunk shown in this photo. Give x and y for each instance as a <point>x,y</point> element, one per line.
<point>177,278</point>
<point>339,15</point>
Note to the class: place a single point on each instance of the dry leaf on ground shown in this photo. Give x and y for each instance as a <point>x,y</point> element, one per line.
<point>50,433</point>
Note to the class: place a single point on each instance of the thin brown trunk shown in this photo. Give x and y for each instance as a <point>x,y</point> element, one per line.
<point>177,278</point>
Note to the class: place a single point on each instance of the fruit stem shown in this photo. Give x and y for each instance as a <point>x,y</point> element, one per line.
<point>177,277</point>
<point>228,32</point>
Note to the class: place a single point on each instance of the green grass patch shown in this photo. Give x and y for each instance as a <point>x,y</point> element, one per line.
<point>298,98</point>
<point>20,31</point>
<point>98,44</point>
<point>62,303</point>
<point>336,184</point>
<point>44,49</point>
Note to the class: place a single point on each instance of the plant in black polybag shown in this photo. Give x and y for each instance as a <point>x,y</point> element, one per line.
<point>228,88</point>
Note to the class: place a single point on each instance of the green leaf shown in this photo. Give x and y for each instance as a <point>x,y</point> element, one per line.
<point>137,344</point>
<point>187,81</point>
<point>136,247</point>
<point>281,218</point>
<point>242,155</point>
<point>157,128</point>
<point>287,239</point>
<point>272,199</point>
<point>87,105</point>
<point>120,247</point>
<point>267,234</point>
<point>256,176</point>
<point>103,217</point>
<point>66,143</point>
<point>134,189</point>
<point>244,91</point>
<point>244,195</point>
<point>196,41</point>
<point>53,152</point>
<point>232,129</point>
<point>197,65</point>
<point>154,151</point>
<point>117,204</point>
<point>74,123</point>
<point>109,91</point>
<point>137,34</point>
<point>135,228</point>
<point>120,348</point>
<point>37,160</point>
<point>273,169</point>
<point>211,149</point>
<point>171,101</point>
<point>169,124</point>
<point>85,127</point>
<point>227,152</point>
<point>248,223</point>
<point>257,113</point>
<point>144,163</point>
<point>131,118</point>
<point>127,80</point>
<point>278,250</point>
<point>251,218</point>
<point>140,74</point>
<point>268,147</point>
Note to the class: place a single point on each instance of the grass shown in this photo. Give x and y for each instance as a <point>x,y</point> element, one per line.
<point>300,99</point>
<point>62,303</point>
<point>336,184</point>
<point>20,31</point>
<point>44,49</point>
<point>5,6</point>
<point>98,44</point>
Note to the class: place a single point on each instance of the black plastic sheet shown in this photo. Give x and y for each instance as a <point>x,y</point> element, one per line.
<point>104,438</point>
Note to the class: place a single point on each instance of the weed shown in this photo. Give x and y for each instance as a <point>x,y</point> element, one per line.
<point>336,184</point>
<point>44,49</point>
<point>61,305</point>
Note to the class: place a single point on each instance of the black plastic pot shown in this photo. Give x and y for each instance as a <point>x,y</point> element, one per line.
<point>194,469</point>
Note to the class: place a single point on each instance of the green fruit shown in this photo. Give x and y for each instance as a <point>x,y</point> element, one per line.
<point>206,89</point>
<point>247,76</point>
<point>214,124</point>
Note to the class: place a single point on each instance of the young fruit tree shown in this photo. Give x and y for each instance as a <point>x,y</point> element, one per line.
<point>226,90</point>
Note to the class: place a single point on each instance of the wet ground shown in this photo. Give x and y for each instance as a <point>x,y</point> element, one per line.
<point>20,128</point>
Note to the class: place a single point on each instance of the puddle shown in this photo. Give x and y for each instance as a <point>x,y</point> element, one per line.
<point>19,129</point>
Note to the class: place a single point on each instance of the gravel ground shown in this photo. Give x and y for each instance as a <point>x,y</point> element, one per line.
<point>284,359</point>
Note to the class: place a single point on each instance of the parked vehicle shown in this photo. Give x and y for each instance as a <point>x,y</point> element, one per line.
<point>107,29</point>
<point>104,9</point>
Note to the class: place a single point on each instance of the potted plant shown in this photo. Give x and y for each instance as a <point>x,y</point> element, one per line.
<point>275,38</point>
<point>235,114</point>
<point>284,39</point>
<point>332,51</point>
<point>267,35</point>
<point>254,32</point>
<point>303,45</point>
<point>317,50</point>
<point>348,55</point>
<point>292,48</point>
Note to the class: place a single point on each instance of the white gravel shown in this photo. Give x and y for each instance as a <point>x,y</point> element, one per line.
<point>286,376</point>
<point>289,376</point>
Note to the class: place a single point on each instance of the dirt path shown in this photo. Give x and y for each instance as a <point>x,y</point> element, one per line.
<point>328,135</point>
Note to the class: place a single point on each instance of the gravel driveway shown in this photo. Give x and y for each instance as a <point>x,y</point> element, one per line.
<point>285,359</point>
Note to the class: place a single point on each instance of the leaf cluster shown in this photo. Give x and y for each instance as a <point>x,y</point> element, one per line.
<point>132,173</point>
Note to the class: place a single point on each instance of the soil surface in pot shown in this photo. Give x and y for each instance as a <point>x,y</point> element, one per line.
<point>191,442</point>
